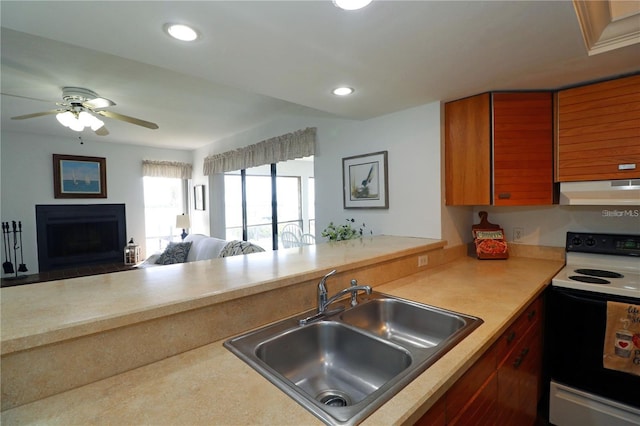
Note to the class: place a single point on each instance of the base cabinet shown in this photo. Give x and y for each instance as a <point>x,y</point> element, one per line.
<point>504,386</point>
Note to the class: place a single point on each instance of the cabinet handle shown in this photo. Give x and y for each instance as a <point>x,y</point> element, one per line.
<point>511,336</point>
<point>630,166</point>
<point>504,195</point>
<point>518,362</point>
<point>531,314</point>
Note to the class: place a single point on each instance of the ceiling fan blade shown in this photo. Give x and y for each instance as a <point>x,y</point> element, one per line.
<point>98,103</point>
<point>26,97</point>
<point>37,114</point>
<point>128,119</point>
<point>102,131</point>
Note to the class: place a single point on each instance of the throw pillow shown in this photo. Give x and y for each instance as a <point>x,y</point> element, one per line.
<point>174,253</point>
<point>234,248</point>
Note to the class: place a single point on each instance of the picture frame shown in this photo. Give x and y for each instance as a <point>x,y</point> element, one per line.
<point>365,181</point>
<point>76,176</point>
<point>198,197</point>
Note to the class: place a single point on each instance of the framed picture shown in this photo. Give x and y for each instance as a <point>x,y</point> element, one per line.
<point>198,197</point>
<point>365,181</point>
<point>79,177</point>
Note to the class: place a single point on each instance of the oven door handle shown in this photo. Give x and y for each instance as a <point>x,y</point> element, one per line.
<point>584,299</point>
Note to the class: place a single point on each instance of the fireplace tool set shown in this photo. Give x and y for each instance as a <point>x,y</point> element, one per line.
<point>16,230</point>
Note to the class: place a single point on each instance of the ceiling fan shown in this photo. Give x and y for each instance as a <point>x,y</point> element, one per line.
<point>79,109</point>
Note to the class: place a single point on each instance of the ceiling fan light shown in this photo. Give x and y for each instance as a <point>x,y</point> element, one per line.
<point>65,118</point>
<point>89,120</point>
<point>76,125</point>
<point>85,118</point>
<point>97,123</point>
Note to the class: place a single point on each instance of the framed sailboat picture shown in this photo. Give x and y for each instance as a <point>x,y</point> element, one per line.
<point>365,181</point>
<point>79,177</point>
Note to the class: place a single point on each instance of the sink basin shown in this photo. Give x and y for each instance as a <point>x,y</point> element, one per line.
<point>405,322</point>
<point>332,363</point>
<point>345,365</point>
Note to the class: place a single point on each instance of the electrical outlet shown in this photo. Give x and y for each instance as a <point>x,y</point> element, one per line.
<point>423,260</point>
<point>518,234</point>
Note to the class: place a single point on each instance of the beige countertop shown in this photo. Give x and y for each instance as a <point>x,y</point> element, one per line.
<point>210,385</point>
<point>43,313</point>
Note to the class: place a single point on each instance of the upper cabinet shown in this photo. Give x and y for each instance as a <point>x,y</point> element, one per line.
<point>598,131</point>
<point>499,149</point>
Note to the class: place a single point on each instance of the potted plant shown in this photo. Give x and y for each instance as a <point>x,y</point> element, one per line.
<point>343,232</point>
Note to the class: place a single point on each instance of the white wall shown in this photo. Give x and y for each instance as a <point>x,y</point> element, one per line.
<point>27,179</point>
<point>412,138</point>
<point>548,225</point>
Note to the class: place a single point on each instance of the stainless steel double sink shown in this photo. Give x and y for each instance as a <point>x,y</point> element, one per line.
<point>345,365</point>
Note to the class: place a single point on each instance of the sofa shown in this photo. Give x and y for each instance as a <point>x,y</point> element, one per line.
<point>199,247</point>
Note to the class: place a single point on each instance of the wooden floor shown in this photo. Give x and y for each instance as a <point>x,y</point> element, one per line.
<point>11,280</point>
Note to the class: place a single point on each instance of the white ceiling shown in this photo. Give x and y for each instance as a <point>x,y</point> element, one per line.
<point>260,60</point>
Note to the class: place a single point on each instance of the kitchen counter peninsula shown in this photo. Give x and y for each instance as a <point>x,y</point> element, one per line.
<point>208,384</point>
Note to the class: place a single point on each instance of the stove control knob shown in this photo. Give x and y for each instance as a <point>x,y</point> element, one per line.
<point>591,242</point>
<point>576,241</point>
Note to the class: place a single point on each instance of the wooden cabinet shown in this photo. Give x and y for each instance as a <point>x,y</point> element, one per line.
<point>473,398</point>
<point>598,131</point>
<point>504,386</point>
<point>499,149</point>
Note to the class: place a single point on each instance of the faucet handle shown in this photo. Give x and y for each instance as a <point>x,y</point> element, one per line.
<point>354,283</point>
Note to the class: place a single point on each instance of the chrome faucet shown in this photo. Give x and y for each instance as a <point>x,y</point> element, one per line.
<point>323,301</point>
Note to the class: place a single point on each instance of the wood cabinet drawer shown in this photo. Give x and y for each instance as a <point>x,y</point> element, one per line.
<point>519,327</point>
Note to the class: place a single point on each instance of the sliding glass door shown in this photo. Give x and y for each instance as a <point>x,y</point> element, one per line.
<point>259,203</point>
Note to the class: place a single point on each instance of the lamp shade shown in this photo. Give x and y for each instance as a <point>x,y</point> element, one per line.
<point>183,221</point>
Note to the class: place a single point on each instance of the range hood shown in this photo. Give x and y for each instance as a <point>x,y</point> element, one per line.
<point>601,193</point>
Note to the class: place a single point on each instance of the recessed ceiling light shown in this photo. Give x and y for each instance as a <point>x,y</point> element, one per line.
<point>342,91</point>
<point>181,32</point>
<point>351,4</point>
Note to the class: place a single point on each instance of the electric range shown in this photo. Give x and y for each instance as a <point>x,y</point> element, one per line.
<point>601,263</point>
<point>601,271</point>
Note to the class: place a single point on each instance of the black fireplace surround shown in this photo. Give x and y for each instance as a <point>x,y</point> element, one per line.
<point>76,235</point>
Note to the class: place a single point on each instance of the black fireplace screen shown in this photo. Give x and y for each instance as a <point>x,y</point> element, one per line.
<point>72,236</point>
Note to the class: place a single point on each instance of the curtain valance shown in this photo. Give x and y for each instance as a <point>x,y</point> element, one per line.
<point>167,169</point>
<point>280,148</point>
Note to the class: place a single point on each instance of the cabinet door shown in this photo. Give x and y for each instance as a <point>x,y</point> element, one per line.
<point>519,381</point>
<point>481,410</point>
<point>474,392</point>
<point>599,131</point>
<point>522,148</point>
<point>435,416</point>
<point>467,151</point>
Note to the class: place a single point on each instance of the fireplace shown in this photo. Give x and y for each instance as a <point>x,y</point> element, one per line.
<point>75,235</point>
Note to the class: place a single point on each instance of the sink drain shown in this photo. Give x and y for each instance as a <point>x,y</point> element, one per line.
<point>334,398</point>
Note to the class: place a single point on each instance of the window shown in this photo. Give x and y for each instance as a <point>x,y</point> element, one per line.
<point>164,199</point>
<point>311,205</point>
<point>255,221</point>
